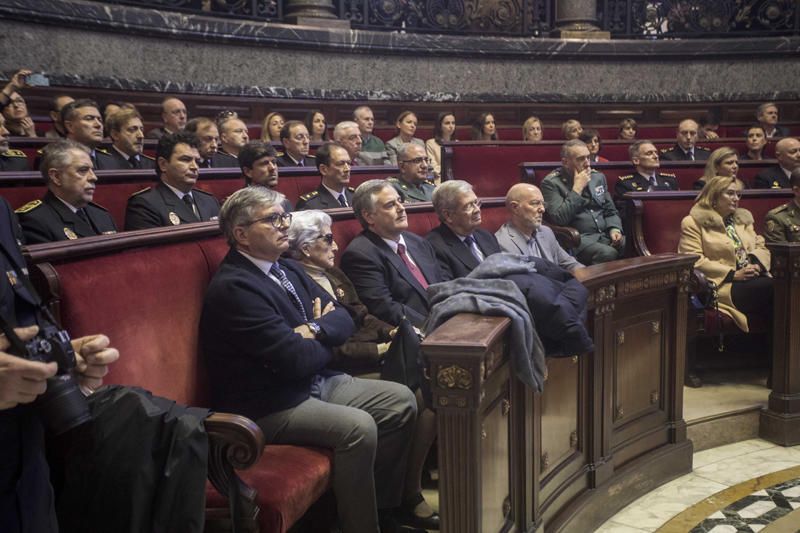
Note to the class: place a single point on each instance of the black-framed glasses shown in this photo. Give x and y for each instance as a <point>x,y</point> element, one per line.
<point>328,238</point>
<point>417,160</point>
<point>277,220</point>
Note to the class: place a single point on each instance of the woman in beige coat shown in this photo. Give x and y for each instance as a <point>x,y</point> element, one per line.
<point>731,254</point>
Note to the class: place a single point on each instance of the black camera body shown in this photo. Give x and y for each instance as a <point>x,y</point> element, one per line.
<point>62,406</point>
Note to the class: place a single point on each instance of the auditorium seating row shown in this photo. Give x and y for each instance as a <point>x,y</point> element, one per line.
<point>146,292</point>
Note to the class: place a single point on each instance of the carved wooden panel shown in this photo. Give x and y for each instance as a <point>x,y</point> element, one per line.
<point>560,413</point>
<point>495,465</point>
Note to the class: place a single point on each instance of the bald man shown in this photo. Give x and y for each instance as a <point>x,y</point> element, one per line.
<point>787,152</point>
<point>685,148</point>
<point>524,232</point>
<point>174,116</point>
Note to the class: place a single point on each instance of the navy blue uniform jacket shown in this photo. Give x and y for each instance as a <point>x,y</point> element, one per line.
<point>257,364</point>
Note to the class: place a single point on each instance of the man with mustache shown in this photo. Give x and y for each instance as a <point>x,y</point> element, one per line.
<point>413,184</point>
<point>66,211</point>
<point>175,200</point>
<point>127,131</point>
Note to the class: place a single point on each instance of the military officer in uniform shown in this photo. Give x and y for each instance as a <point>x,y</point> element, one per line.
<point>783,223</point>
<point>787,152</point>
<point>66,212</point>
<point>644,156</point>
<point>333,163</point>
<point>127,132</point>
<point>175,200</point>
<point>576,195</point>
<point>685,149</point>
<point>10,160</point>
<point>295,139</point>
<point>413,184</point>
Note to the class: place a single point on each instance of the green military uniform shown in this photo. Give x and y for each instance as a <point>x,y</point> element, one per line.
<point>783,223</point>
<point>13,161</point>
<point>413,193</point>
<point>592,213</point>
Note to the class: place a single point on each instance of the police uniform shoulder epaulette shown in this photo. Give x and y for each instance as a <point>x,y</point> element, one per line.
<point>778,209</point>
<point>40,151</point>
<point>279,154</point>
<point>308,196</point>
<point>626,177</point>
<point>351,189</point>
<point>392,180</point>
<point>665,150</point>
<point>667,174</point>
<point>430,182</point>
<point>141,191</point>
<point>703,148</point>
<point>98,206</point>
<point>147,157</point>
<point>30,206</point>
<point>553,174</point>
<point>14,153</point>
<point>102,151</point>
<point>201,191</point>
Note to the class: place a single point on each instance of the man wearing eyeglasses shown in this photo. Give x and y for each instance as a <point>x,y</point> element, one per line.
<point>174,115</point>
<point>175,200</point>
<point>295,139</point>
<point>333,162</point>
<point>267,331</point>
<point>413,184</point>
<point>459,241</point>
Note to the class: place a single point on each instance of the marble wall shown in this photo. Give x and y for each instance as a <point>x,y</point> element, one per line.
<point>88,43</point>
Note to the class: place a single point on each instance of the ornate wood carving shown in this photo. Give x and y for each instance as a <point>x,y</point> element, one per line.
<point>454,377</point>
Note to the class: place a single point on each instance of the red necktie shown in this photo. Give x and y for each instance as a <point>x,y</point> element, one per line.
<point>401,251</point>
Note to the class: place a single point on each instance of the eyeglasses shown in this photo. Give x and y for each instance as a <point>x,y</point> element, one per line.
<point>472,206</point>
<point>417,160</point>
<point>277,220</point>
<point>328,238</point>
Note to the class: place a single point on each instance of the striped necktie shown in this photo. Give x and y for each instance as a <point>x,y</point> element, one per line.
<point>289,288</point>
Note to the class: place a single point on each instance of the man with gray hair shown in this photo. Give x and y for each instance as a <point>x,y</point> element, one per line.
<point>524,232</point>
<point>267,331</point>
<point>767,116</point>
<point>576,195</point>
<point>66,211</point>
<point>373,151</point>
<point>459,242</point>
<point>348,135</point>
<point>389,266</point>
<point>412,183</point>
<point>84,124</point>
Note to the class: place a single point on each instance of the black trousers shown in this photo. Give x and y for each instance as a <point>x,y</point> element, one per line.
<point>753,297</point>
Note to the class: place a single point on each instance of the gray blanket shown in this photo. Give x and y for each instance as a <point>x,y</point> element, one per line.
<point>482,294</point>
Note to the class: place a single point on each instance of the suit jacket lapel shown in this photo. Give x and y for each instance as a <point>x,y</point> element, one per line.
<point>428,268</point>
<point>176,205</point>
<point>397,262</point>
<point>71,220</point>
<point>459,248</point>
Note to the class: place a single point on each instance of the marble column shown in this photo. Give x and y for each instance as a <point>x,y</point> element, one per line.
<point>313,13</point>
<point>577,19</point>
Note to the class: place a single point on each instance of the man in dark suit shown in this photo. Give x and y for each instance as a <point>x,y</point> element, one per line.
<point>233,135</point>
<point>84,124</point>
<point>174,115</point>
<point>66,211</point>
<point>10,160</point>
<point>267,331</point>
<point>787,152</point>
<point>26,501</point>
<point>295,139</point>
<point>685,149</point>
<point>208,144</point>
<point>333,163</point>
<point>175,200</point>
<point>459,242</point>
<point>127,133</point>
<point>389,266</point>
<point>767,116</point>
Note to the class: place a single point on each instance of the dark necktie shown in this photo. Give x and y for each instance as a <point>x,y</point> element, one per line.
<point>415,271</point>
<point>469,240</point>
<point>289,288</point>
<point>134,162</point>
<point>342,200</point>
<point>189,201</point>
<point>690,155</point>
<point>653,182</point>
<point>83,215</point>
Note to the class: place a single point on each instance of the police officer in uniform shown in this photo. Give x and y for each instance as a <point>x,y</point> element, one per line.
<point>333,162</point>
<point>576,195</point>
<point>787,152</point>
<point>413,184</point>
<point>10,160</point>
<point>66,212</point>
<point>783,223</point>
<point>644,156</point>
<point>685,148</point>
<point>175,200</point>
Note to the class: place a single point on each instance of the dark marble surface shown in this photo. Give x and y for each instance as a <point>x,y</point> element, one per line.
<point>96,15</point>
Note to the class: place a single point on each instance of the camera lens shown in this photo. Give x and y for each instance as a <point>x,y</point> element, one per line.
<point>63,406</point>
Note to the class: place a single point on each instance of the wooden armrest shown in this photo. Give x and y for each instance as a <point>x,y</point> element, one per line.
<point>567,237</point>
<point>234,443</point>
<point>698,284</point>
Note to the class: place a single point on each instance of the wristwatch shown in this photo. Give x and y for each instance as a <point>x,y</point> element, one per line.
<point>314,327</point>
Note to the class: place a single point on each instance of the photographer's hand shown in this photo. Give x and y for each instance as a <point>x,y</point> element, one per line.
<point>93,355</point>
<point>21,381</point>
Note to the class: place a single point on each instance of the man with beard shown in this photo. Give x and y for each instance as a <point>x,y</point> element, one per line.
<point>413,184</point>
<point>258,162</point>
<point>175,200</point>
<point>333,163</point>
<point>524,232</point>
<point>127,132</point>
<point>66,212</point>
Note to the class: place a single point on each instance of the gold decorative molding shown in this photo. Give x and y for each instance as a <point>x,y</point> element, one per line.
<point>655,326</point>
<point>654,281</point>
<point>603,299</point>
<point>684,278</point>
<point>454,377</point>
<point>573,439</point>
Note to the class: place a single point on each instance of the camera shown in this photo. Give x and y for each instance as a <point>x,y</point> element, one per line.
<point>62,406</point>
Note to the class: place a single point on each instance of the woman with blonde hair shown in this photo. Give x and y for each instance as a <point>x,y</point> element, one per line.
<point>271,127</point>
<point>532,130</point>
<point>723,161</point>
